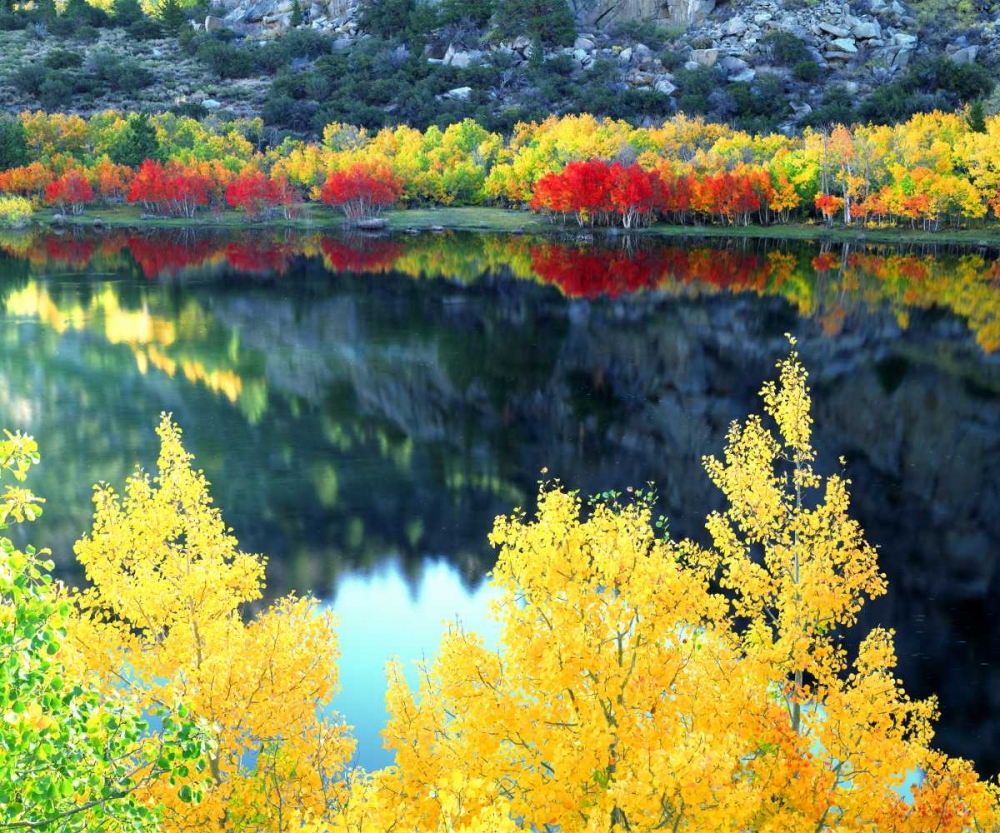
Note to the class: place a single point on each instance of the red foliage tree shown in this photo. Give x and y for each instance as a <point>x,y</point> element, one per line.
<point>676,196</point>
<point>258,195</point>
<point>361,191</point>
<point>600,193</point>
<point>170,189</point>
<point>70,192</point>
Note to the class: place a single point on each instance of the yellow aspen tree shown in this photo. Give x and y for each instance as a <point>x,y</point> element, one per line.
<point>162,617</point>
<point>628,693</point>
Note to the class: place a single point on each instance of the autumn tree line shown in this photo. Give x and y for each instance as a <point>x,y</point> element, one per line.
<point>936,169</point>
<point>638,683</point>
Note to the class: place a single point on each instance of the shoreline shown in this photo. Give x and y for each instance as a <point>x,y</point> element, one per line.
<point>495,220</point>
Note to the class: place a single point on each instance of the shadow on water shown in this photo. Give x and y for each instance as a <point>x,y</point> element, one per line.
<point>364,407</point>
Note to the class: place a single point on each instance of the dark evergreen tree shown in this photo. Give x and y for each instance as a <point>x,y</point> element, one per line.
<point>171,14</point>
<point>387,18</point>
<point>136,143</point>
<point>13,144</point>
<point>127,12</point>
<point>549,20</point>
<point>45,10</point>
<point>977,117</point>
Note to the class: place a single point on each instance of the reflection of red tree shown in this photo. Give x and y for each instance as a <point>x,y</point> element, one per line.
<point>910,267</point>
<point>722,268</point>
<point>259,256</point>
<point>165,256</point>
<point>825,260</point>
<point>590,273</point>
<point>364,255</point>
<point>70,251</point>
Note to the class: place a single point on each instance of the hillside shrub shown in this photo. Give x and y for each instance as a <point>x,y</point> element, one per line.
<point>784,48</point>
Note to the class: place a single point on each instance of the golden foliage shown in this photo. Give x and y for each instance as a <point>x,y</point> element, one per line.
<point>629,691</point>
<point>162,616</point>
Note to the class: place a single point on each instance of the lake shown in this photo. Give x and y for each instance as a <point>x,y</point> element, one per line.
<point>364,406</point>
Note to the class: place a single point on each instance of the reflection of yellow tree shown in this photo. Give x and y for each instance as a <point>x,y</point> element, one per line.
<point>969,286</point>
<point>168,344</point>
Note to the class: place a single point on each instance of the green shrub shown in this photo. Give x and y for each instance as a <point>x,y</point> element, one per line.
<point>29,78</point>
<point>387,18</point>
<point>171,15</point>
<point>63,59</point>
<point>227,60</point>
<point>294,114</point>
<point>761,106</point>
<point>146,29</point>
<point>785,48</point>
<point>476,12</point>
<point>62,26</point>
<point>84,14</point>
<point>131,78</point>
<point>190,109</point>
<point>837,108</point>
<point>929,84</point>
<point>296,43</point>
<point>136,143</point>
<point>10,22</point>
<point>55,91</point>
<point>807,71</point>
<point>87,34</point>
<point>645,31</point>
<point>671,60</point>
<point>694,86</point>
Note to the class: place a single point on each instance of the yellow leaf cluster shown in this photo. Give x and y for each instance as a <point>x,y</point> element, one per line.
<point>642,684</point>
<point>162,616</point>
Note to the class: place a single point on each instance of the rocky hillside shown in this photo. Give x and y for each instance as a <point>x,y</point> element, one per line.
<point>761,64</point>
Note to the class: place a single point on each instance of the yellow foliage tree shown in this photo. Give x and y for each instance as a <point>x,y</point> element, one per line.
<point>162,617</point>
<point>642,684</point>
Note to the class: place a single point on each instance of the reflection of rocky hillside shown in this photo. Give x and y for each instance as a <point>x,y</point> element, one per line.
<point>393,415</point>
<point>639,390</point>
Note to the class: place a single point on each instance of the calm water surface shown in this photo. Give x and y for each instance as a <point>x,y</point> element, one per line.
<point>364,408</point>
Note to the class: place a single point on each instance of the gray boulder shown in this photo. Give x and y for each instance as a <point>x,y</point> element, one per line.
<point>705,57</point>
<point>734,27</point>
<point>831,29</point>
<point>966,55</point>
<point>845,45</point>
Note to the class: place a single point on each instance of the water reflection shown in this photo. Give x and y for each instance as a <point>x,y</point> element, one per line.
<point>359,403</point>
